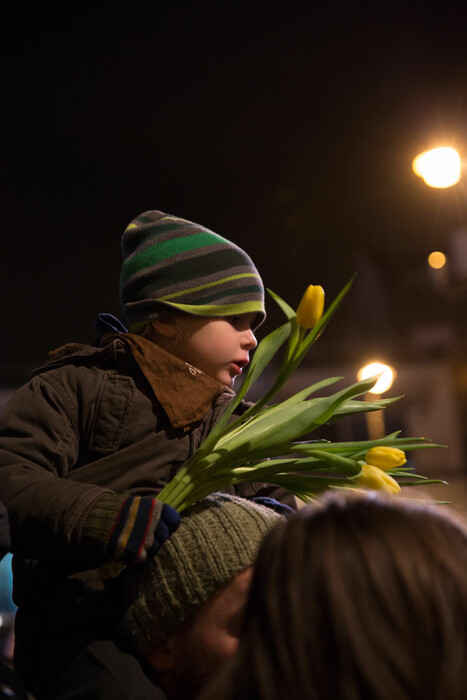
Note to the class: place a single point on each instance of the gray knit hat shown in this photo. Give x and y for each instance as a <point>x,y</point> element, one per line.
<point>173,263</point>
<point>217,539</point>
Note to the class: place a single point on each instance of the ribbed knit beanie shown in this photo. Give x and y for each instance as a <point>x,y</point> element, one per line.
<point>217,539</point>
<point>169,262</point>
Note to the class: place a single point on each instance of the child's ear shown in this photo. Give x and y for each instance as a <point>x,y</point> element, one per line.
<point>162,659</point>
<point>165,326</point>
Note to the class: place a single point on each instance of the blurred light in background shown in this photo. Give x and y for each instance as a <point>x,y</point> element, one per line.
<point>375,419</point>
<point>384,382</point>
<point>440,167</point>
<point>436,260</point>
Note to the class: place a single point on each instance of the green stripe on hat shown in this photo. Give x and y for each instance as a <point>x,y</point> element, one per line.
<point>158,252</point>
<point>191,290</point>
<point>221,310</point>
<point>139,236</point>
<point>229,296</point>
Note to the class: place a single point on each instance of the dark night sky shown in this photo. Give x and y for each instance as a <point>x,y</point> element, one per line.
<point>288,129</point>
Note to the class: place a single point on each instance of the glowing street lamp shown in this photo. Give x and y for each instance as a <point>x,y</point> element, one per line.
<point>440,167</point>
<point>371,370</point>
<point>375,419</point>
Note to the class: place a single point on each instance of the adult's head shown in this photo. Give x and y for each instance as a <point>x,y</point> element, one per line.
<point>356,597</point>
<point>188,602</point>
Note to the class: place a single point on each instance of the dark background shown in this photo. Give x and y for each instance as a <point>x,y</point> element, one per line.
<point>286,127</point>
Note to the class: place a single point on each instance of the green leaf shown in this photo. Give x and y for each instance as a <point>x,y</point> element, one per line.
<point>310,487</point>
<point>283,423</point>
<point>264,353</point>
<point>294,340</point>
<point>423,482</point>
<point>362,446</point>
<point>288,311</point>
<point>304,393</point>
<point>259,412</point>
<point>350,407</point>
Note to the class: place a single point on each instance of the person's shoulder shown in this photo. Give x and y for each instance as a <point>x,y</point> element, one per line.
<point>82,355</point>
<point>79,369</point>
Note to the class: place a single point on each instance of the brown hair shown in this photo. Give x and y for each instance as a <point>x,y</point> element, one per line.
<point>356,598</point>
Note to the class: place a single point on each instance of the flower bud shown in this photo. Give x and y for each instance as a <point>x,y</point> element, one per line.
<point>311,306</point>
<point>374,478</point>
<point>385,457</point>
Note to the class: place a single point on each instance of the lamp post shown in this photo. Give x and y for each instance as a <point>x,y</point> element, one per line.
<point>442,168</point>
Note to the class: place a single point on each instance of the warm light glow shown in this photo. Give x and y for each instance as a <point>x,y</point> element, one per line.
<point>436,260</point>
<point>384,382</point>
<point>440,167</point>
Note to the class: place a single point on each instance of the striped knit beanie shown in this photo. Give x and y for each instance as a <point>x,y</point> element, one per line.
<point>173,263</point>
<point>217,539</point>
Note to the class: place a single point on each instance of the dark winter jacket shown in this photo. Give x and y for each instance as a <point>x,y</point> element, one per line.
<point>92,426</point>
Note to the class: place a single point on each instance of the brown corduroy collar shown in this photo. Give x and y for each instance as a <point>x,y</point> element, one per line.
<point>184,391</point>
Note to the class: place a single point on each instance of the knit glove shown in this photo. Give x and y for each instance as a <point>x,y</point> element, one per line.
<point>131,529</point>
<point>276,506</point>
<point>141,528</point>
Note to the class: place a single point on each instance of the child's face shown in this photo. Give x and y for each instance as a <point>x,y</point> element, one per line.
<point>218,346</point>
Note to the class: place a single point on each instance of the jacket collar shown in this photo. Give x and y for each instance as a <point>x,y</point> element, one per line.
<point>184,391</point>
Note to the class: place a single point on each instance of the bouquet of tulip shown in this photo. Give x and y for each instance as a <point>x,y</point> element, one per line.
<point>262,443</point>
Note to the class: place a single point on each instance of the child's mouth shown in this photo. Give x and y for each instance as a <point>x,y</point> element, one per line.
<point>238,366</point>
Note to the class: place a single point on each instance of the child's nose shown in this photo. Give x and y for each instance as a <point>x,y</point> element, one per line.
<point>249,341</point>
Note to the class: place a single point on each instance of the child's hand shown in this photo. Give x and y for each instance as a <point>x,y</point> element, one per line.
<point>141,528</point>
<point>168,522</point>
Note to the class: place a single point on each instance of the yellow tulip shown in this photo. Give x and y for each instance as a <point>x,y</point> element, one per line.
<point>385,457</point>
<point>311,306</point>
<point>374,478</point>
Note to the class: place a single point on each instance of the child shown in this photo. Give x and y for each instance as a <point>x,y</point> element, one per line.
<point>89,442</point>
